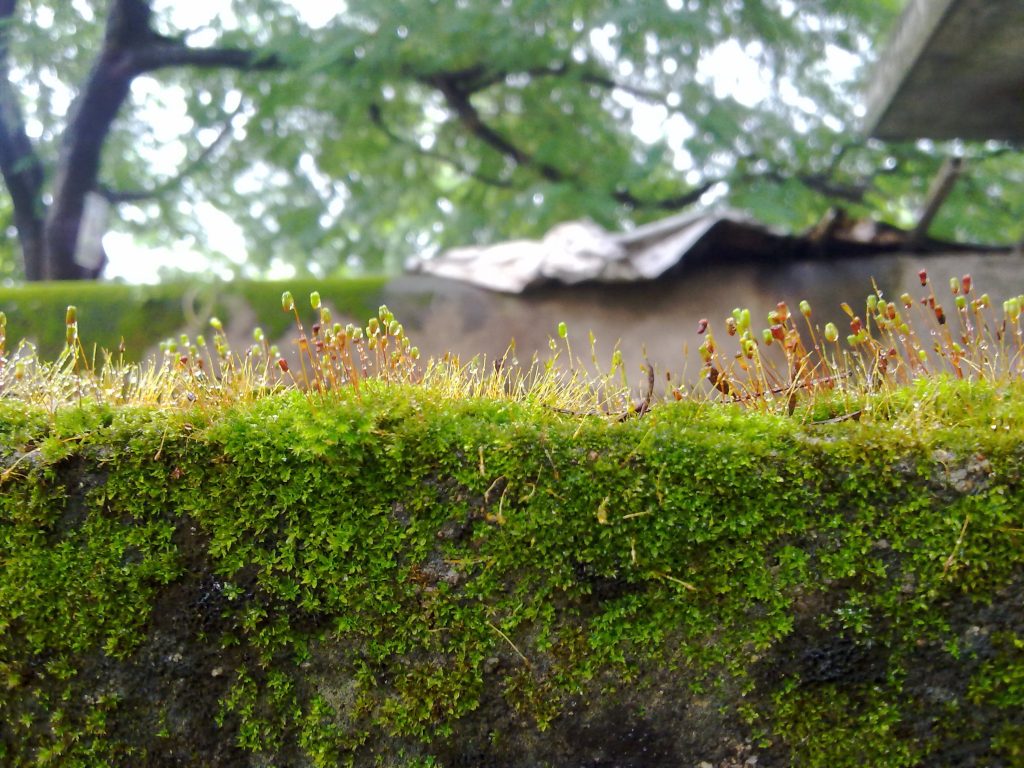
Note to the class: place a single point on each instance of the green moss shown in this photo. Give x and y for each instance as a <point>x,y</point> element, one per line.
<point>370,557</point>
<point>144,315</point>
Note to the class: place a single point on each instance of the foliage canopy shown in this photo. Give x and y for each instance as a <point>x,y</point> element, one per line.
<point>392,128</point>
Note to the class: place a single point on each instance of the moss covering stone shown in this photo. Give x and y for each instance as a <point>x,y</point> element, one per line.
<point>396,580</point>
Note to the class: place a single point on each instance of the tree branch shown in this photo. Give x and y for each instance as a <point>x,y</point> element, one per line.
<point>670,203</point>
<point>136,196</point>
<point>451,88</point>
<point>174,54</point>
<point>377,118</point>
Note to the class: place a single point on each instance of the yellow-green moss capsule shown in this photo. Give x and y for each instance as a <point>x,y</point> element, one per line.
<point>744,319</point>
<point>954,286</point>
<point>314,299</point>
<point>394,328</point>
<point>766,336</point>
<point>325,316</point>
<point>907,300</point>
<point>1012,308</point>
<point>805,308</point>
<point>287,301</point>
<point>373,327</point>
<point>71,334</point>
<point>71,316</point>
<point>563,331</point>
<point>961,302</point>
<point>831,332</point>
<point>19,370</point>
<point>257,335</point>
<point>216,324</point>
<point>3,320</point>
<point>414,353</point>
<point>852,340</point>
<point>922,356</point>
<point>872,302</point>
<point>200,340</point>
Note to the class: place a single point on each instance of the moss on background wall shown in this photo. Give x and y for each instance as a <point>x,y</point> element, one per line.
<point>393,580</point>
<point>143,315</point>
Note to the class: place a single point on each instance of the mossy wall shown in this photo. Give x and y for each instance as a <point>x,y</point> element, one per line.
<point>143,315</point>
<point>392,580</point>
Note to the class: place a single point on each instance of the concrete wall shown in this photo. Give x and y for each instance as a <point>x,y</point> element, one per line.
<point>661,317</point>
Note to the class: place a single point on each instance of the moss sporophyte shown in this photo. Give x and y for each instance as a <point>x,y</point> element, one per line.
<point>811,556</point>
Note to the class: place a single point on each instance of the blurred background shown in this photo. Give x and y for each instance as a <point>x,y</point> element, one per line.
<point>198,147</point>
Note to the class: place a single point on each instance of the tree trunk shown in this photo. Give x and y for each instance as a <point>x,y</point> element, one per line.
<point>22,171</point>
<point>92,116</point>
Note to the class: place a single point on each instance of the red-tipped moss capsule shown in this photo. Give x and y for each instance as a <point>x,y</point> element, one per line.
<point>965,283</point>
<point>890,311</point>
<point>783,309</point>
<point>563,331</point>
<point>287,301</point>
<point>954,286</point>
<point>314,299</point>
<point>907,300</point>
<point>856,325</point>
<point>282,364</point>
<point>216,324</point>
<point>778,332</point>
<point>831,332</point>
<point>805,308</point>
<point>702,325</point>
<point>71,316</point>
<point>940,315</point>
<point>922,275</point>
<point>730,325</point>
